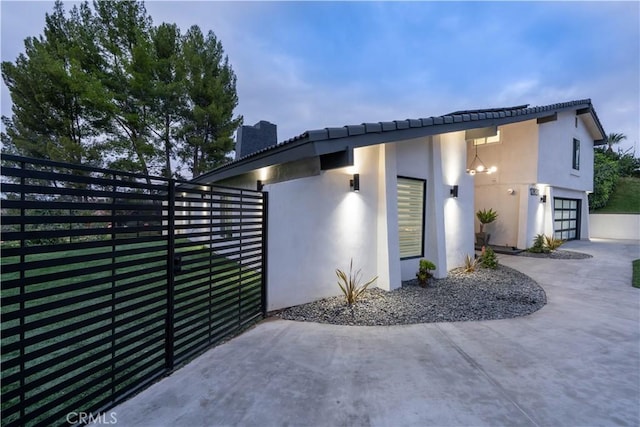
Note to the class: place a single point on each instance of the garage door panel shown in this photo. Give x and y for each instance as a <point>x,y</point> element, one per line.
<point>566,218</point>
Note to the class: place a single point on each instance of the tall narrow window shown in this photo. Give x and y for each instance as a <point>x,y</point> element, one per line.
<point>411,217</point>
<point>576,154</point>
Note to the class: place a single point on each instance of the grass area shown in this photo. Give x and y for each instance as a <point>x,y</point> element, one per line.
<point>625,198</point>
<point>71,309</point>
<point>635,279</point>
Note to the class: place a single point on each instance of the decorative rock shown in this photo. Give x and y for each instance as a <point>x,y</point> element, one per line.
<point>482,295</point>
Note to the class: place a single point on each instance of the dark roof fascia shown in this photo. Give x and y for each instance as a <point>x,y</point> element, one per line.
<point>330,140</point>
<point>264,158</point>
<point>596,120</point>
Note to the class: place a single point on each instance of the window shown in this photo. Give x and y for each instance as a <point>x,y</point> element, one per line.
<point>487,140</point>
<point>576,154</point>
<point>411,217</point>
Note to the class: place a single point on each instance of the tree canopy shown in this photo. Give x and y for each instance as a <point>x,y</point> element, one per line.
<point>105,86</point>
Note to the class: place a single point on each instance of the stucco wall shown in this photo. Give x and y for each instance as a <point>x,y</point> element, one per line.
<point>533,156</point>
<point>316,225</point>
<point>507,190</point>
<point>458,237</point>
<point>556,153</point>
<point>414,160</point>
<point>615,226</point>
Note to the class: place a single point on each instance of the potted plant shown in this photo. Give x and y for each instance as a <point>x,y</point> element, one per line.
<point>485,217</point>
<point>424,272</point>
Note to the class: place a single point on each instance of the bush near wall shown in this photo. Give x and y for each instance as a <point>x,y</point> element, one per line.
<point>608,168</point>
<point>605,177</point>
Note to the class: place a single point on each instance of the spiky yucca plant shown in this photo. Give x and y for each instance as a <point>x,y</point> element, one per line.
<point>552,243</point>
<point>470,264</point>
<point>350,284</point>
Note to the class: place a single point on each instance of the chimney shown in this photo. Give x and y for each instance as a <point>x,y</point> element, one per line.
<point>254,138</point>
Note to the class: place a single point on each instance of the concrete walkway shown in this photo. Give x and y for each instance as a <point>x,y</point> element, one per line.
<point>576,362</point>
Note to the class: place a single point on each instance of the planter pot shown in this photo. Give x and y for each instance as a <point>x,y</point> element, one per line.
<point>482,239</point>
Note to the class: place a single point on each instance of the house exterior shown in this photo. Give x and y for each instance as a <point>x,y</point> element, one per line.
<point>382,193</point>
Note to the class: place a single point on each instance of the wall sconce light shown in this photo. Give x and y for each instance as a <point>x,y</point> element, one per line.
<point>355,182</point>
<point>511,191</point>
<point>453,192</point>
<point>259,185</point>
<point>543,199</point>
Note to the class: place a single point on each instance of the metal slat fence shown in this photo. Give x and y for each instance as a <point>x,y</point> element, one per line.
<point>110,280</point>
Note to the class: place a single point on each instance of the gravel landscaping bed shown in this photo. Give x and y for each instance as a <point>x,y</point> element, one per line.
<point>482,295</point>
<point>557,254</point>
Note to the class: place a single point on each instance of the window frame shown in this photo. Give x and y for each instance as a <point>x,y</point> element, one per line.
<point>423,184</point>
<point>575,162</point>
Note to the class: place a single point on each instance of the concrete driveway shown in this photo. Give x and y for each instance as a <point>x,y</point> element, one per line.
<point>576,362</point>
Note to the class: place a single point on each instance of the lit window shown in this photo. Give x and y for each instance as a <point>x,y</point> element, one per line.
<point>487,140</point>
<point>576,154</point>
<point>411,217</point>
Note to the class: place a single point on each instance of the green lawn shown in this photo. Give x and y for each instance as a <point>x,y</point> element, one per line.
<point>625,198</point>
<point>635,280</point>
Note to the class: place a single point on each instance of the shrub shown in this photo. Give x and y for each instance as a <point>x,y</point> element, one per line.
<point>488,258</point>
<point>538,245</point>
<point>424,271</point>
<point>350,284</point>
<point>605,176</point>
<point>470,264</point>
<point>544,244</point>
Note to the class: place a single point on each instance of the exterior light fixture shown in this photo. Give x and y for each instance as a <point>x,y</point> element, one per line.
<point>259,185</point>
<point>355,182</point>
<point>543,199</point>
<point>477,166</point>
<point>453,192</point>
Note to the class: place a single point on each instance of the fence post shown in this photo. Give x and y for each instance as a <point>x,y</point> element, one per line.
<point>168,347</point>
<point>265,241</point>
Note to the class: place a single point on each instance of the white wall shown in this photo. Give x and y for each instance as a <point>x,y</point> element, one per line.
<point>516,159</point>
<point>458,238</point>
<point>532,155</point>
<point>316,225</point>
<point>556,153</point>
<point>414,160</point>
<point>615,226</point>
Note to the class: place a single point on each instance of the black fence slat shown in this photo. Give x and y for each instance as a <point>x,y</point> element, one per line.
<point>112,279</point>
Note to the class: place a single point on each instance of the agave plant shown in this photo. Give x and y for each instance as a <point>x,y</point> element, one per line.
<point>552,243</point>
<point>350,284</point>
<point>470,264</point>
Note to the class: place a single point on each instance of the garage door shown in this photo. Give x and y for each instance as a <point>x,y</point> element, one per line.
<point>566,218</point>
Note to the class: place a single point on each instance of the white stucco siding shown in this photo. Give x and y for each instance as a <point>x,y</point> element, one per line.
<point>414,159</point>
<point>507,190</point>
<point>556,153</point>
<point>318,224</point>
<point>458,238</point>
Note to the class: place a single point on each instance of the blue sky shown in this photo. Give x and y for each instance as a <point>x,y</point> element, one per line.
<point>308,65</point>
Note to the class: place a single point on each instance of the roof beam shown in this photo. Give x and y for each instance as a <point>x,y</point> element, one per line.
<point>547,119</point>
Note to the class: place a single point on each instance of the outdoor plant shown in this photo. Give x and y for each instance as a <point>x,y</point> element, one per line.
<point>488,258</point>
<point>350,284</point>
<point>538,245</point>
<point>545,244</point>
<point>424,271</point>
<point>485,217</point>
<point>470,264</point>
<point>552,243</point>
